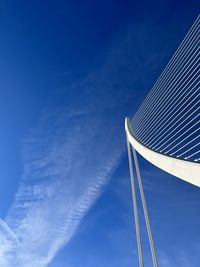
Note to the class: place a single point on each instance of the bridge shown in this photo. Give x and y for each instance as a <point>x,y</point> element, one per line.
<point>166,128</point>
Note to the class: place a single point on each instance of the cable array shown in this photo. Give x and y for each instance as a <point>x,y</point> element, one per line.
<point>168,121</point>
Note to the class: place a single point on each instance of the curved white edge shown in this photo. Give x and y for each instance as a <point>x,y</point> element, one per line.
<point>187,171</point>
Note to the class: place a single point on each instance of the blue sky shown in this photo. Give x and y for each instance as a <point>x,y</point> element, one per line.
<point>69,74</point>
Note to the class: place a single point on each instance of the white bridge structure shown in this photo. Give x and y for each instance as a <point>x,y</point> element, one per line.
<point>166,128</point>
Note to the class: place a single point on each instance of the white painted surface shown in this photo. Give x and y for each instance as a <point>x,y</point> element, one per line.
<point>185,170</point>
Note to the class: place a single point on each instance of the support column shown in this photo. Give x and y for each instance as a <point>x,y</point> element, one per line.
<point>146,215</point>
<point>135,209</point>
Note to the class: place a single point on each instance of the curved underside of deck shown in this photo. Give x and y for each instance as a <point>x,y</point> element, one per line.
<point>185,170</point>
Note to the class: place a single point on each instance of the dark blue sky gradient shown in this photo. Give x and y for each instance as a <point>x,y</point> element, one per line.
<point>100,58</point>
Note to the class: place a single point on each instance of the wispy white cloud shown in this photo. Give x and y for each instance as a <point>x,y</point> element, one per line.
<point>70,157</point>
<point>68,160</point>
<point>63,176</point>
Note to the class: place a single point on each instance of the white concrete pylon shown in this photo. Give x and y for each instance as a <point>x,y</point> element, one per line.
<point>185,170</point>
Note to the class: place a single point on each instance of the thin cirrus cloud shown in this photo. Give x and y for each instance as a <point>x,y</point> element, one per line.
<point>68,159</point>
<point>67,166</point>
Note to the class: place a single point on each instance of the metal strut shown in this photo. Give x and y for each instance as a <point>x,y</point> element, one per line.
<point>146,215</point>
<point>135,208</point>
